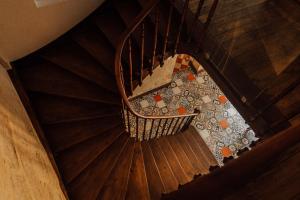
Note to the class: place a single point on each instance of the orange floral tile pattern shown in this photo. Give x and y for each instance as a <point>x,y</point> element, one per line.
<point>181,110</point>
<point>222,99</point>
<point>226,152</point>
<point>191,77</point>
<point>224,123</point>
<point>157,98</point>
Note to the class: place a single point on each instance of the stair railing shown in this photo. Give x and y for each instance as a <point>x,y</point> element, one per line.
<point>139,126</point>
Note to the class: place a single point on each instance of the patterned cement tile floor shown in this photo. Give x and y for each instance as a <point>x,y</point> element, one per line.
<point>219,124</point>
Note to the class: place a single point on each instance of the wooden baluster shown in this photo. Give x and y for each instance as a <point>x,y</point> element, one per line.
<point>142,52</point>
<point>145,121</point>
<point>128,121</point>
<point>186,4</point>
<point>177,120</point>
<point>137,128</point>
<point>166,38</point>
<point>211,13</point>
<point>151,129</point>
<point>208,20</point>
<point>197,14</point>
<point>123,113</point>
<point>185,125</point>
<point>170,126</point>
<point>180,124</point>
<point>155,41</point>
<point>164,126</point>
<point>130,65</point>
<point>158,128</point>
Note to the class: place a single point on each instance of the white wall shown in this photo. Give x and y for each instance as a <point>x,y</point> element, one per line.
<point>24,27</point>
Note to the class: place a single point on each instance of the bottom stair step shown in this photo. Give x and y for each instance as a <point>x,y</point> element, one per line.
<point>116,185</point>
<point>156,187</point>
<point>137,184</point>
<point>169,180</point>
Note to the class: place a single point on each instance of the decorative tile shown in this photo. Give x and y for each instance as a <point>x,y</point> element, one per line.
<point>204,133</point>
<point>232,111</point>
<point>178,82</point>
<point>160,104</point>
<point>200,80</point>
<point>226,152</point>
<point>176,90</point>
<point>191,77</point>
<point>206,99</point>
<point>222,99</point>
<point>144,103</point>
<point>224,123</point>
<point>181,110</point>
<point>157,98</point>
<point>219,124</point>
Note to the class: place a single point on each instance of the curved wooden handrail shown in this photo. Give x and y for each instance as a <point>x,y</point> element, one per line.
<point>136,22</point>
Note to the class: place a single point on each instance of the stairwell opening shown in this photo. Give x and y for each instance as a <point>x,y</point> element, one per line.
<point>219,124</point>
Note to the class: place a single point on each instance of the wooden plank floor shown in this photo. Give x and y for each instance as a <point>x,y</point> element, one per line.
<point>262,36</point>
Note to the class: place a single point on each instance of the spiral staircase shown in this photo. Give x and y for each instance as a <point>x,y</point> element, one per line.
<point>78,88</point>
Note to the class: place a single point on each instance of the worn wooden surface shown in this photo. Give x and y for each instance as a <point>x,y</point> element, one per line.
<point>280,182</point>
<point>26,171</point>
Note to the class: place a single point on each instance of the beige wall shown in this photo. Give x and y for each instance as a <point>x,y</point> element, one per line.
<point>25,28</point>
<point>25,170</point>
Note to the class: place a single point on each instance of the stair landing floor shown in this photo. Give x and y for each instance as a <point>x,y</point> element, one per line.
<point>219,124</point>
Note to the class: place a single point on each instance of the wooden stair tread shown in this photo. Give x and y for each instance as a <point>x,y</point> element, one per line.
<point>112,26</point>
<point>54,109</point>
<point>95,43</point>
<point>74,160</point>
<point>75,59</point>
<point>204,148</point>
<point>169,180</point>
<point>172,159</point>
<point>197,149</point>
<point>156,187</point>
<point>64,135</point>
<point>186,164</point>
<point>188,150</point>
<point>137,183</point>
<point>89,183</point>
<point>48,78</point>
<point>116,185</point>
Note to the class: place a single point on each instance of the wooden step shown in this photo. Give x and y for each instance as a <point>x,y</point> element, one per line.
<point>54,109</point>
<point>183,159</point>
<point>96,44</point>
<point>48,78</point>
<point>72,57</point>
<point>199,167</point>
<point>112,26</point>
<point>137,183</point>
<point>168,178</point>
<point>116,185</point>
<point>156,187</point>
<point>172,159</point>
<point>201,161</point>
<point>75,159</point>
<point>203,147</point>
<point>89,183</point>
<point>64,135</point>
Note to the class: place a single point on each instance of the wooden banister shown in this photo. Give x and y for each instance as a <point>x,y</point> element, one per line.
<point>141,120</point>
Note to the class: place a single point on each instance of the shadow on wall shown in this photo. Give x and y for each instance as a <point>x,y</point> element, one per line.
<point>26,171</point>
